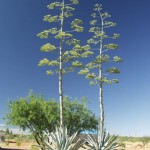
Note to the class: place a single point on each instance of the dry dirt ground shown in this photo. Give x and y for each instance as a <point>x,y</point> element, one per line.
<point>137,146</point>
<point>13,145</point>
<point>28,145</point>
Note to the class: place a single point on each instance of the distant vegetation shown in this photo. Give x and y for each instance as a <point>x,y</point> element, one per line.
<point>144,139</point>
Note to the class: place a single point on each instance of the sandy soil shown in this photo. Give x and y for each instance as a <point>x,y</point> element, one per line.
<point>13,145</point>
<point>28,145</point>
<point>134,146</point>
<point>137,146</point>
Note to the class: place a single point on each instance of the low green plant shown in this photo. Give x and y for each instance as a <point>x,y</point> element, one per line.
<point>18,141</point>
<point>145,140</point>
<point>104,141</point>
<point>33,147</point>
<point>7,140</point>
<point>122,144</point>
<point>61,140</point>
<point>7,143</point>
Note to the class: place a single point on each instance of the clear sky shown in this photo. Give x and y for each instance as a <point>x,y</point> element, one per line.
<point>126,104</point>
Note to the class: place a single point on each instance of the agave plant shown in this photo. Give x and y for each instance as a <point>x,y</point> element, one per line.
<point>60,140</point>
<point>103,142</point>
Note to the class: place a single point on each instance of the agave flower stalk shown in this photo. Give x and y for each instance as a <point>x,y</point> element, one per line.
<point>98,70</point>
<point>62,44</point>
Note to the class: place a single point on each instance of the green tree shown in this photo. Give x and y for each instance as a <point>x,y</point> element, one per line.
<point>78,117</point>
<point>99,68</point>
<point>67,49</point>
<point>33,113</point>
<point>38,115</point>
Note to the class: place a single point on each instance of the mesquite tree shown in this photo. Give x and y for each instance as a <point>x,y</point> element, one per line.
<point>96,70</point>
<point>37,114</point>
<point>68,51</point>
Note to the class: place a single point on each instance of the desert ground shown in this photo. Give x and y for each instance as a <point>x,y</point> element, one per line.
<point>13,145</point>
<point>136,146</point>
<point>29,146</point>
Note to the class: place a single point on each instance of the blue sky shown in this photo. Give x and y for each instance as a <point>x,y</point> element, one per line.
<point>126,104</point>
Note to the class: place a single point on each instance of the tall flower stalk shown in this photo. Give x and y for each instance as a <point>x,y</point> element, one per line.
<point>97,70</point>
<point>68,51</point>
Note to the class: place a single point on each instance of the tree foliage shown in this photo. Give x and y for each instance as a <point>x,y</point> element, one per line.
<point>36,114</point>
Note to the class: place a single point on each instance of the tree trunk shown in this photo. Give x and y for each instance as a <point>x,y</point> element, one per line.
<point>101,105</point>
<point>61,96</point>
<point>60,72</point>
<point>40,143</point>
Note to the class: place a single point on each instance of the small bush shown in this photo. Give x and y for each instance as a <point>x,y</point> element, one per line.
<point>34,148</point>
<point>18,141</point>
<point>7,143</point>
<point>145,140</point>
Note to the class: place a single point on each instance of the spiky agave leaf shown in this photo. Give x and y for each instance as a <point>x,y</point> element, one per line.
<point>104,142</point>
<point>61,140</point>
